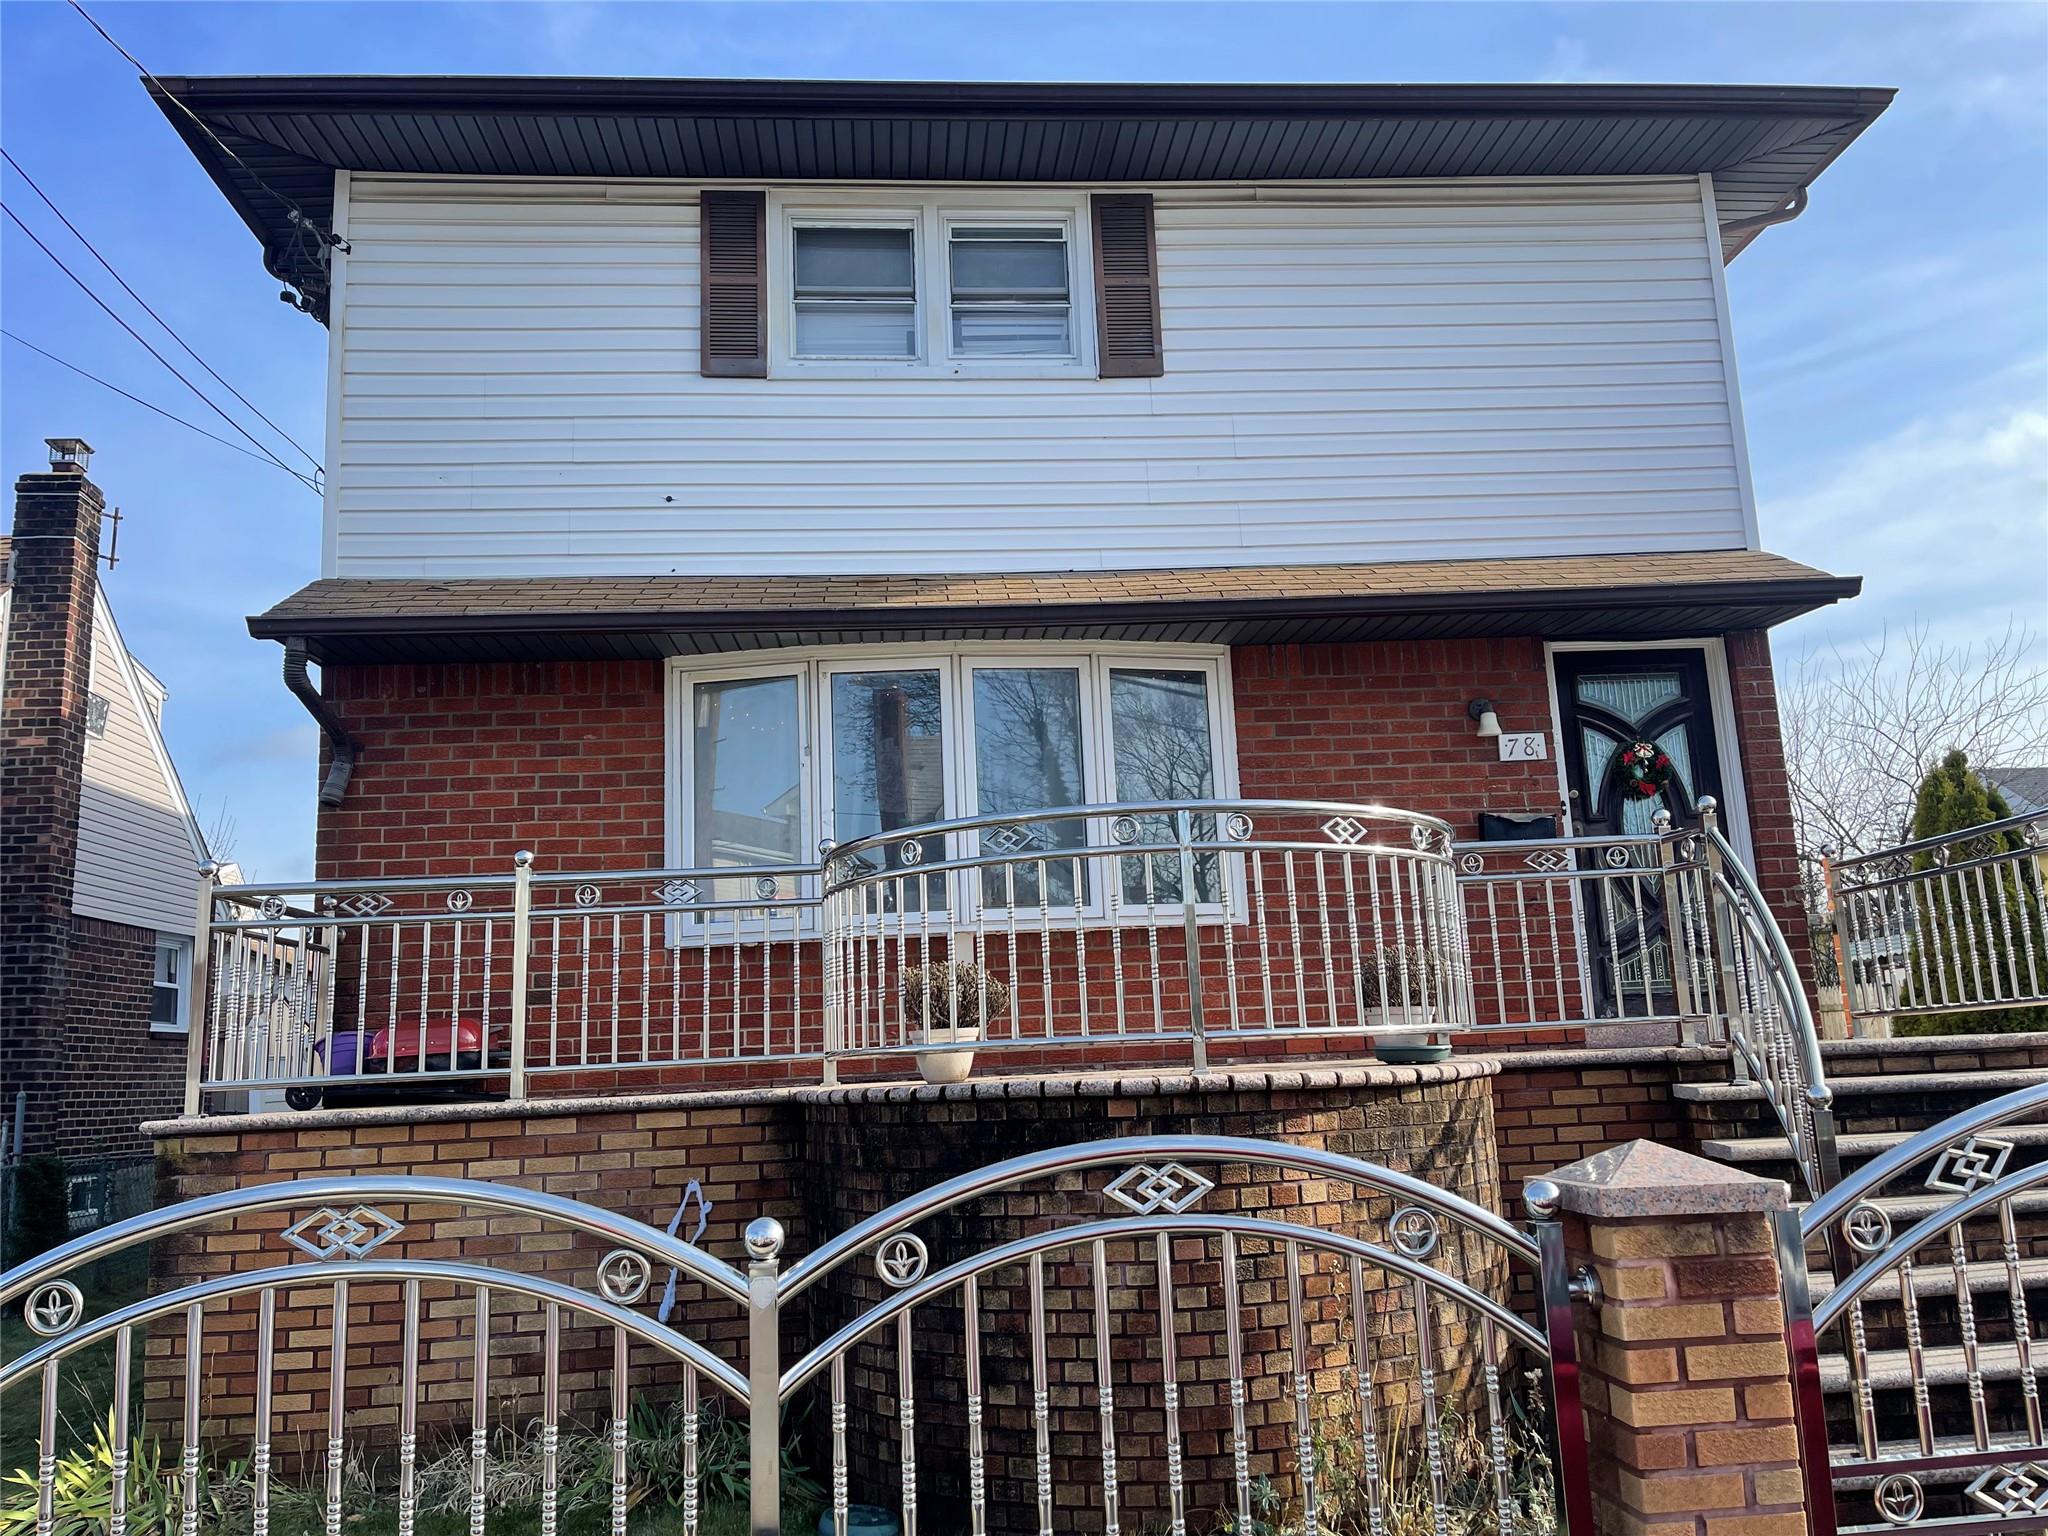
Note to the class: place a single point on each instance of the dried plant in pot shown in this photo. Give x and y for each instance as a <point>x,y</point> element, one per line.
<point>1399,993</point>
<point>946,1004</point>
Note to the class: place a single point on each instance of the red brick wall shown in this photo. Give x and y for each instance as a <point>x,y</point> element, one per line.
<point>119,1073</point>
<point>463,765</point>
<point>1387,722</point>
<point>1767,792</point>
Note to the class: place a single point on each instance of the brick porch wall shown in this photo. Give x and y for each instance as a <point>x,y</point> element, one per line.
<point>1760,747</point>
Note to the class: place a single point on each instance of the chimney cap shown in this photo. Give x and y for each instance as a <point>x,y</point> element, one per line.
<point>69,453</point>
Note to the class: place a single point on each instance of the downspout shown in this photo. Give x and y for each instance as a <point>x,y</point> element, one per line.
<point>341,762</point>
<point>1784,213</point>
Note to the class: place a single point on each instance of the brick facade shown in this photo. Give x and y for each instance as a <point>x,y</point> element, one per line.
<point>74,991</point>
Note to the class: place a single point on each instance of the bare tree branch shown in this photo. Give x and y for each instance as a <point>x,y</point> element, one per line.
<point>1861,730</point>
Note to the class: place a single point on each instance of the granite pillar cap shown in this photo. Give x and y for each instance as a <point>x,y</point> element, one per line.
<point>1644,1178</point>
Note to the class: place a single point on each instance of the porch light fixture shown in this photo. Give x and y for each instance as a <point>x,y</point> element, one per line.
<point>1489,722</point>
<point>69,453</point>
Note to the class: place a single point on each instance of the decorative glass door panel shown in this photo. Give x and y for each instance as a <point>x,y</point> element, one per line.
<point>1638,737</point>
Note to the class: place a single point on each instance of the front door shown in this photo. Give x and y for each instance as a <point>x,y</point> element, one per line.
<point>1610,702</point>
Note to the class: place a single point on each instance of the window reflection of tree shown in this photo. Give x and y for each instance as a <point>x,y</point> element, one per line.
<point>1163,752</point>
<point>1027,756</point>
<point>887,762</point>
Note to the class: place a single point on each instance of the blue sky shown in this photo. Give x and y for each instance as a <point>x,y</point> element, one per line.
<point>1893,342</point>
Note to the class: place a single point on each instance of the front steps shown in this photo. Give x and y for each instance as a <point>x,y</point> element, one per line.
<point>1885,1093</point>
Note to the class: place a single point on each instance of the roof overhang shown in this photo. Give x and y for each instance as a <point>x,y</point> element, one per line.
<point>267,138</point>
<point>1620,597</point>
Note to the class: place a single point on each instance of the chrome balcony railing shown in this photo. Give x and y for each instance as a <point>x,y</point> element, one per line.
<point>1162,931</point>
<point>1947,925</point>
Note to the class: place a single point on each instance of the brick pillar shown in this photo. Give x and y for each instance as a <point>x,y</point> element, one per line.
<point>1767,790</point>
<point>53,558</point>
<point>1686,1377</point>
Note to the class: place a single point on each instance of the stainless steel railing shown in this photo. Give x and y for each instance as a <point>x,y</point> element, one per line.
<point>1946,925</point>
<point>1191,921</point>
<point>1172,927</point>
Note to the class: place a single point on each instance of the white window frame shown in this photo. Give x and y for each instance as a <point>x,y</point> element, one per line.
<point>932,217</point>
<point>920,281</point>
<point>182,947</point>
<point>815,667</point>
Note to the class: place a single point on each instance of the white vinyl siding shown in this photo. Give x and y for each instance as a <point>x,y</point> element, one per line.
<point>136,863</point>
<point>1421,371</point>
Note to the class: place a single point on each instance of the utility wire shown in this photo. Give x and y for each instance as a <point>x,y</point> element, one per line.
<point>148,406</point>
<point>303,219</point>
<point>159,319</point>
<point>152,351</point>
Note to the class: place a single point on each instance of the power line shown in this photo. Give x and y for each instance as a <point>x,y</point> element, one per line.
<point>148,406</point>
<point>159,319</point>
<point>299,214</point>
<point>152,351</point>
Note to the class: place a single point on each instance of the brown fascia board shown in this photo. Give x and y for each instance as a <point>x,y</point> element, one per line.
<point>1811,593</point>
<point>1000,98</point>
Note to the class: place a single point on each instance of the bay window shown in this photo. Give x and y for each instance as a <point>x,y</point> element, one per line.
<point>840,745</point>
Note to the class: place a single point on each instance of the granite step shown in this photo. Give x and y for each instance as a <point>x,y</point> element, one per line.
<point>1939,1279</point>
<point>1854,1146</point>
<point>1980,1084</point>
<point>1891,1370</point>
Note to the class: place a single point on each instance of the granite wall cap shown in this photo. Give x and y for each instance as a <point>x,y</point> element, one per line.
<point>1644,1178</point>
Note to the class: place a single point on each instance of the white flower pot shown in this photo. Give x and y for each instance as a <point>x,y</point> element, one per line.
<point>1404,1036</point>
<point>950,1066</point>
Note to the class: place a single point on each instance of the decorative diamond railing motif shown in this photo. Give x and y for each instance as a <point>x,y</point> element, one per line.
<point>1348,830</point>
<point>364,904</point>
<point>1551,861</point>
<point>352,1234</point>
<point>677,893</point>
<point>2013,1490</point>
<point>1010,839</point>
<point>1145,1189</point>
<point>1969,1165</point>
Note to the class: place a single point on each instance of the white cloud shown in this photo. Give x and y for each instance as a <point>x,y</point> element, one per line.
<point>1946,520</point>
<point>1571,63</point>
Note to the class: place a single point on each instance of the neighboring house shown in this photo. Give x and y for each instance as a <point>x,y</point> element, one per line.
<point>100,883</point>
<point>719,467</point>
<point>2025,789</point>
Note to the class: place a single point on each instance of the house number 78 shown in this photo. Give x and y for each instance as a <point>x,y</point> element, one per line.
<point>1523,747</point>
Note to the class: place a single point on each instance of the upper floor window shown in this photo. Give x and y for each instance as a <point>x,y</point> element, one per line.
<point>854,290</point>
<point>1012,294</point>
<point>959,285</point>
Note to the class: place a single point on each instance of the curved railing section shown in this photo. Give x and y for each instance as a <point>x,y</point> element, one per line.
<point>1764,1008</point>
<point>1949,925</point>
<point>1927,1328</point>
<point>1192,921</point>
<point>297,1340</point>
<point>1395,1333</point>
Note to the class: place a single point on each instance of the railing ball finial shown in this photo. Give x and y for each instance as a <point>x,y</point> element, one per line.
<point>1542,1197</point>
<point>1708,805</point>
<point>522,858</point>
<point>764,1238</point>
<point>1820,1096</point>
<point>1660,819</point>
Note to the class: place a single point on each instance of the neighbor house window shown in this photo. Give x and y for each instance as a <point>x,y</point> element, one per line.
<point>167,987</point>
<point>953,284</point>
<point>854,289</point>
<point>895,743</point>
<point>1011,291</point>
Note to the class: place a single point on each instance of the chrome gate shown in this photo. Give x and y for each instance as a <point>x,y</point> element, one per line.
<point>1185,1333</point>
<point>1913,1346</point>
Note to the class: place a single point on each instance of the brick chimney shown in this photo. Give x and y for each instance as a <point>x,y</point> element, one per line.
<point>53,562</point>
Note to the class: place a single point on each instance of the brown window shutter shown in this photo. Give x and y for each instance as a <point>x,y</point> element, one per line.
<point>1127,331</point>
<point>734,262</point>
